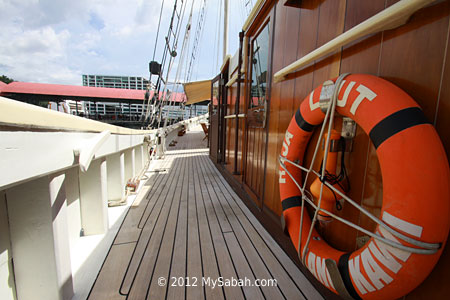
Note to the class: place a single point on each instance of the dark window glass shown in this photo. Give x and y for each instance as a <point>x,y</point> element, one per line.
<point>259,63</point>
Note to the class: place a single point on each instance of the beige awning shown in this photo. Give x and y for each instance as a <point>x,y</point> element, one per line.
<point>197,91</point>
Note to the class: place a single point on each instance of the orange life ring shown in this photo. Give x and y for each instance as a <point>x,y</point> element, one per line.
<point>416,189</point>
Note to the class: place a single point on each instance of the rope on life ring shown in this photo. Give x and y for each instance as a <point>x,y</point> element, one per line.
<point>415,222</point>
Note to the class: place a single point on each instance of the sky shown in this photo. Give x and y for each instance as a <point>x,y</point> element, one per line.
<point>56,41</point>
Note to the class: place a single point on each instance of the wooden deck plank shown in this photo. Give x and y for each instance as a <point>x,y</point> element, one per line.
<point>221,217</point>
<point>152,229</point>
<point>143,276</point>
<point>224,261</point>
<point>256,263</point>
<point>166,251</point>
<point>178,262</point>
<point>108,282</point>
<point>285,283</point>
<point>243,268</point>
<point>252,225</point>
<point>194,254</point>
<point>209,260</point>
<point>193,226</point>
<point>129,231</point>
<point>164,169</point>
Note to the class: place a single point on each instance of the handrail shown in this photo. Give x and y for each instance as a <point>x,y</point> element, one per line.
<point>244,55</point>
<point>390,18</point>
<point>19,114</point>
<point>232,80</point>
<point>234,116</point>
<point>252,14</point>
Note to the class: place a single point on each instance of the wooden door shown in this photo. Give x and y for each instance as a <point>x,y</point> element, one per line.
<point>257,103</point>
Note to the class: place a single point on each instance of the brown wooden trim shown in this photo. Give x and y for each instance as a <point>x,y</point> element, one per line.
<point>260,17</point>
<point>272,17</point>
<point>237,104</point>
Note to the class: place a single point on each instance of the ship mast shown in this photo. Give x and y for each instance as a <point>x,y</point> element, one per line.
<point>225,29</point>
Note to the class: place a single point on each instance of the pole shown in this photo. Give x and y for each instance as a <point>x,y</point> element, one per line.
<point>225,29</point>
<point>237,104</point>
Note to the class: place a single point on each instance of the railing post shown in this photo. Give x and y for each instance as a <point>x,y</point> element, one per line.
<point>93,195</point>
<point>116,178</point>
<point>7,285</point>
<point>39,236</point>
<point>133,162</point>
<point>129,168</point>
<point>73,204</point>
<point>139,158</point>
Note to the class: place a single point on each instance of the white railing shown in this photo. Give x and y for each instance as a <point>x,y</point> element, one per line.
<point>57,174</point>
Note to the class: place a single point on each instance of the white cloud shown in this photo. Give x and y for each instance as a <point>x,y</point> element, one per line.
<point>36,55</point>
<point>57,41</point>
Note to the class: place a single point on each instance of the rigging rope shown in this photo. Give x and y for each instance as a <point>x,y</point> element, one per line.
<point>197,38</point>
<point>148,89</point>
<point>180,63</point>
<point>166,67</point>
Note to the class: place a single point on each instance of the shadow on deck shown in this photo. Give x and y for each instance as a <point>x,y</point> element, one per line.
<point>191,237</point>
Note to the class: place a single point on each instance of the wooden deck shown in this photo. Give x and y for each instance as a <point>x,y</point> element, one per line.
<point>191,229</point>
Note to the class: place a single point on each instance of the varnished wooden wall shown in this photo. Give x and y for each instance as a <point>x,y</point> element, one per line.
<point>415,57</point>
<point>231,130</point>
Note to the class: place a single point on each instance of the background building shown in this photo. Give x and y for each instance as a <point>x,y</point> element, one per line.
<point>118,82</point>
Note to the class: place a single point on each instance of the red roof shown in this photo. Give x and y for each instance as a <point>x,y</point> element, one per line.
<point>75,91</point>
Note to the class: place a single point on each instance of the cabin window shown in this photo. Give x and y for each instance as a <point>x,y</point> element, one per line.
<point>259,65</point>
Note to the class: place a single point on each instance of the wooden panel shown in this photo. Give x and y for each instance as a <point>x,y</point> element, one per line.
<point>213,134</point>
<point>412,57</point>
<point>418,70</point>
<point>361,56</point>
<point>442,120</point>
<point>292,20</point>
<point>241,145</point>
<point>256,158</point>
<point>261,161</point>
<point>306,43</point>
<point>331,24</point>
<point>432,287</point>
<point>274,135</point>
